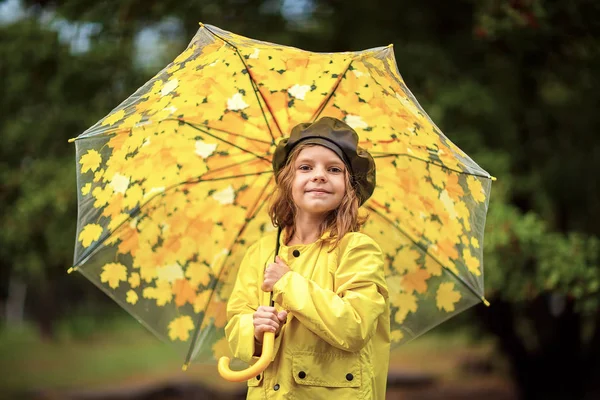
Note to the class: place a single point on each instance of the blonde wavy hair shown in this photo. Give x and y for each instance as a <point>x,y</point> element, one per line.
<point>338,222</point>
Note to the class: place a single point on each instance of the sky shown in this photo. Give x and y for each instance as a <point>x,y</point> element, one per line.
<point>148,40</point>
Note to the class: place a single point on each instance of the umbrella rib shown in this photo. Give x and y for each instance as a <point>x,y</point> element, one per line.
<point>255,208</point>
<point>225,131</point>
<point>228,142</point>
<point>225,167</point>
<point>257,93</point>
<point>423,114</point>
<point>133,213</point>
<point>326,100</point>
<point>420,246</point>
<point>386,155</point>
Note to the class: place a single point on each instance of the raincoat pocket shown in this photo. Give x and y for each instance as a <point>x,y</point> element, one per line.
<point>328,370</point>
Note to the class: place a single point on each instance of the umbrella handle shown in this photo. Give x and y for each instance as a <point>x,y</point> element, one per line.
<point>254,370</point>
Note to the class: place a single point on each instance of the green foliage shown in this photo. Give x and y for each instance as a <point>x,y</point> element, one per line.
<point>513,83</point>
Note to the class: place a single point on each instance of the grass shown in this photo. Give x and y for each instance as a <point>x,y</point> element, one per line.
<point>123,353</point>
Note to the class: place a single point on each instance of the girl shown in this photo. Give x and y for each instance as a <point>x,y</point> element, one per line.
<point>331,316</point>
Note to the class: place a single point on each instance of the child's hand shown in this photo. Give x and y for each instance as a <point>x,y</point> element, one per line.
<point>273,273</point>
<point>266,319</point>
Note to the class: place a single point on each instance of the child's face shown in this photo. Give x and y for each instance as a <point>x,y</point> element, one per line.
<point>319,180</point>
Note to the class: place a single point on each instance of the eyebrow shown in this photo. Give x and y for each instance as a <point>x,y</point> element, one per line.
<point>330,162</point>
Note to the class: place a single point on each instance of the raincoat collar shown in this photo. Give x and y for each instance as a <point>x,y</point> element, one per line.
<point>283,239</point>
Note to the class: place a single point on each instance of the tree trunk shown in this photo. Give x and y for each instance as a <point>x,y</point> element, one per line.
<point>15,302</point>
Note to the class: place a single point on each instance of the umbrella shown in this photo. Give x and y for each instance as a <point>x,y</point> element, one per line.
<point>173,185</point>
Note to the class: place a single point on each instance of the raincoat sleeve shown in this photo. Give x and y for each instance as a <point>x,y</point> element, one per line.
<point>244,301</point>
<point>345,317</point>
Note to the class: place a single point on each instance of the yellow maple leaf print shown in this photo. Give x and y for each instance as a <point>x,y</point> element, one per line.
<point>132,297</point>
<point>471,262</point>
<point>221,348</point>
<point>475,243</point>
<point>180,327</point>
<point>86,189</point>
<point>162,293</point>
<point>102,196</point>
<point>134,280</point>
<point>113,273</point>
<point>89,234</point>
<point>476,188</point>
<point>111,119</point>
<point>90,161</point>
<point>199,274</point>
<point>446,297</point>
<point>396,335</point>
<point>406,302</point>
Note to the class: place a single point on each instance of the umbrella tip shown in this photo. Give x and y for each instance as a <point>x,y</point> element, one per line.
<point>184,367</point>
<point>487,303</point>
<point>493,178</point>
<point>71,270</point>
<point>71,140</point>
<point>201,24</point>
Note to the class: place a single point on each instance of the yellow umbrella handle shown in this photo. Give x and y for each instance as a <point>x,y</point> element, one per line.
<point>254,370</point>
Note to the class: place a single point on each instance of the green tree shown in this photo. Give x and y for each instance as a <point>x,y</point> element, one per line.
<point>512,82</point>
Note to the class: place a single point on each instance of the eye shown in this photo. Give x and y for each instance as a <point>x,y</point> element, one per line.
<point>304,167</point>
<point>336,170</point>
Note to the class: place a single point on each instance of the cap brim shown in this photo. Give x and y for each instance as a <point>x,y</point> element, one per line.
<point>330,145</point>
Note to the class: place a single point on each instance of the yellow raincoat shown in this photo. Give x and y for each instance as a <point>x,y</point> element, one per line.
<point>337,334</point>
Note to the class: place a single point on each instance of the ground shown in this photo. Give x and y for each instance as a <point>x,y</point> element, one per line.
<point>108,365</point>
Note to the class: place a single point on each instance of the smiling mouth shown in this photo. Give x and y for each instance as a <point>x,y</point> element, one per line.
<point>318,191</point>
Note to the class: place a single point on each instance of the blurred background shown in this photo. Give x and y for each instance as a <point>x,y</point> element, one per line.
<point>514,83</point>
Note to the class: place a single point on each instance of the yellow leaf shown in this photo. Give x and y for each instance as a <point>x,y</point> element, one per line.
<point>180,327</point>
<point>432,266</point>
<point>102,196</point>
<point>90,161</point>
<point>116,221</point>
<point>221,348</point>
<point>89,234</point>
<point>475,243</point>
<point>446,297</point>
<point>201,300</point>
<point>133,196</point>
<point>198,273</point>
<point>476,188</point>
<point>132,297</point>
<point>396,335</point>
<point>162,293</point>
<point>134,280</point>
<point>113,273</point>
<point>86,189</point>
<point>111,119</point>
<point>471,262</point>
<point>406,302</point>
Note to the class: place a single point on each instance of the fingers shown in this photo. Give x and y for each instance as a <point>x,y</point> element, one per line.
<point>266,309</point>
<point>282,316</point>
<point>266,318</point>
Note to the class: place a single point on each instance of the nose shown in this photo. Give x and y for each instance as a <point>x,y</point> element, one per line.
<point>319,175</point>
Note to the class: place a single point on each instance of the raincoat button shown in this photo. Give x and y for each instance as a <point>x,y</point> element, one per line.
<point>301,374</point>
<point>258,377</point>
<point>296,253</point>
<point>276,387</point>
<point>349,377</point>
